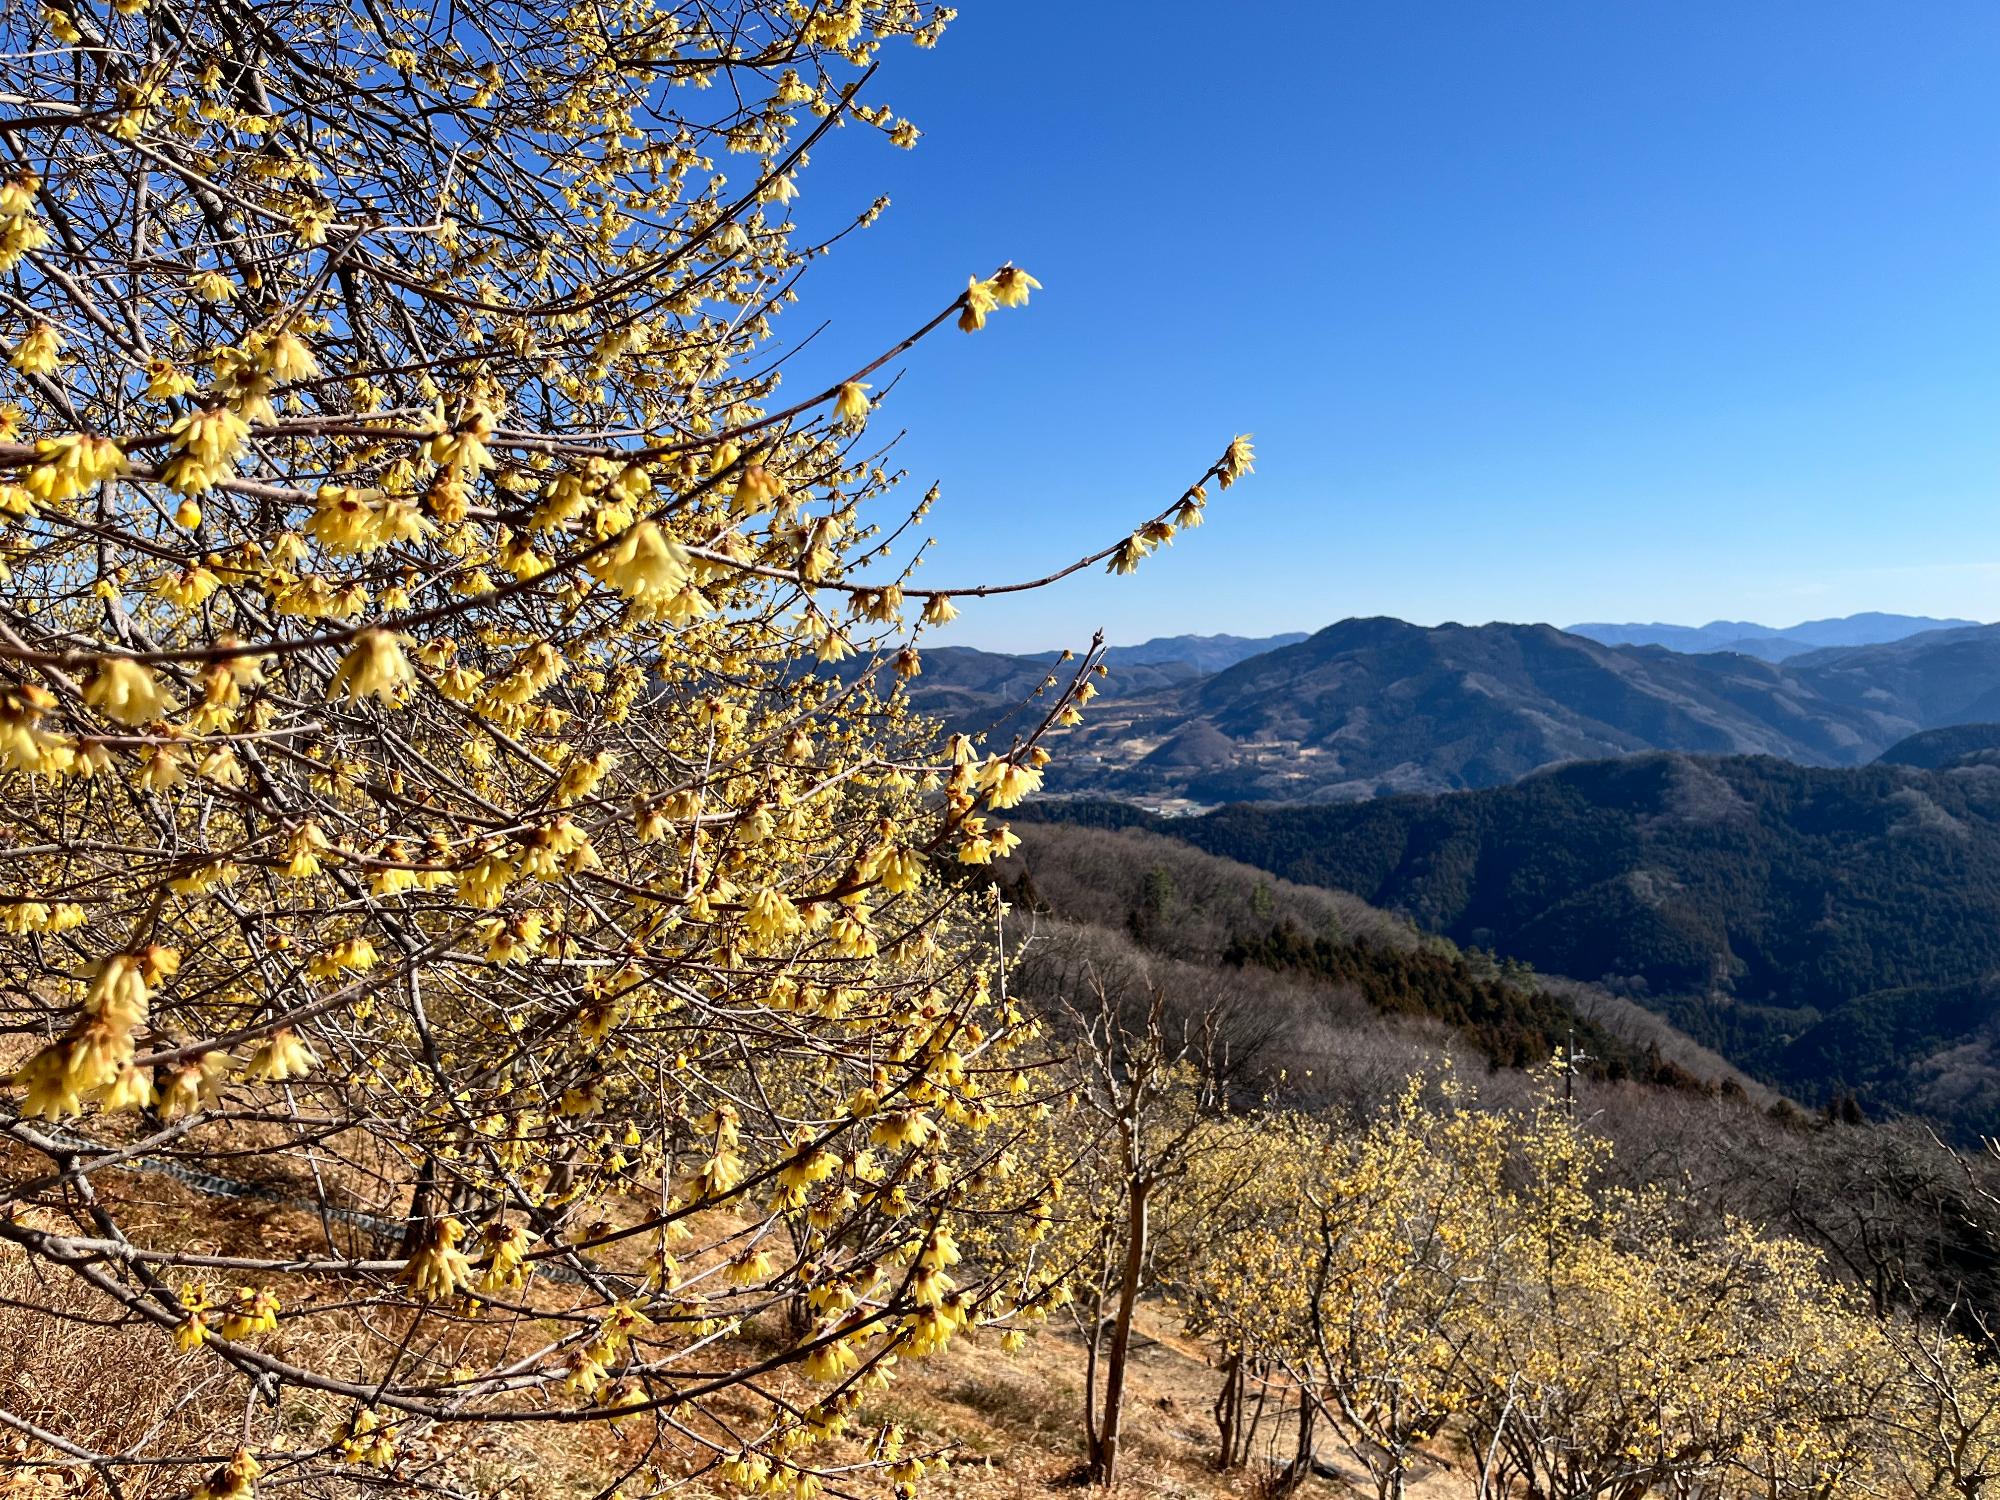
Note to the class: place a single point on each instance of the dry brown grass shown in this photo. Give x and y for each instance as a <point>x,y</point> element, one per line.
<point>107,1384</point>
<point>103,1388</point>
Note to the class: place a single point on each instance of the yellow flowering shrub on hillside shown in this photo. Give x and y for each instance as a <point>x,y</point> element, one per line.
<point>412,576</point>
<point>1458,1285</point>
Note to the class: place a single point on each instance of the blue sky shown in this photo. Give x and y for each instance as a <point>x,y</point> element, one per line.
<point>1545,311</point>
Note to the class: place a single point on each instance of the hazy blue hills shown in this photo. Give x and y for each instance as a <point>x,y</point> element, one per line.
<point>1765,641</point>
<point>1827,930</point>
<point>1204,653</point>
<point>1376,707</point>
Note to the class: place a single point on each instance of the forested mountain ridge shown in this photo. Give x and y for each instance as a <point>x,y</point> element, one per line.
<point>1465,706</point>
<point>1373,707</point>
<point>1830,931</point>
<point>1952,745</point>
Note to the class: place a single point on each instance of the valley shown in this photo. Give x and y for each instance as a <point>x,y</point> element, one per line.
<point>1833,932</point>
<point>1792,866</point>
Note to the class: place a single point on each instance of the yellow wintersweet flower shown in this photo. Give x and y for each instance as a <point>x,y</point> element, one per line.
<point>126,691</point>
<point>131,1089</point>
<point>1011,286</point>
<point>831,1361</point>
<point>1131,552</point>
<point>902,1129</point>
<point>17,194</point>
<point>979,301</point>
<point>192,1331</point>
<point>851,403</point>
<point>53,1093</point>
<point>368,1440</point>
<point>187,588</point>
<point>284,1055</point>
<point>439,1268</point>
<point>71,465</point>
<point>191,1086</point>
<point>1236,462</point>
<point>165,380</point>
<point>288,358</point>
<point>254,1311</point>
<point>39,352</point>
<point>582,1373</point>
<point>749,1268</point>
<point>303,847</point>
<point>374,667</point>
<point>18,237</point>
<point>507,1247</point>
<point>236,1480</point>
<point>645,564</point>
<point>205,445</point>
<point>902,870</point>
<point>1006,783</point>
<point>771,916</point>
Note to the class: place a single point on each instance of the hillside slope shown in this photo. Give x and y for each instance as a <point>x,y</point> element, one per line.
<point>1935,749</point>
<point>1937,678</point>
<point>1317,984</point>
<point>1126,905</point>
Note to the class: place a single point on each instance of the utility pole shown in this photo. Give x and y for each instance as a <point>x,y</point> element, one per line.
<point>1571,1057</point>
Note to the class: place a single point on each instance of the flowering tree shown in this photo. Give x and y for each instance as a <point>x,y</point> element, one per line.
<point>417,778</point>
<point>1450,1287</point>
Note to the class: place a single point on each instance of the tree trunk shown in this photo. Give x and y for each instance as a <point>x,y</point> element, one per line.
<point>1231,1411</point>
<point>1104,1455</point>
<point>1302,1460</point>
<point>1093,1356</point>
<point>1262,1371</point>
<point>422,1199</point>
<point>1399,1453</point>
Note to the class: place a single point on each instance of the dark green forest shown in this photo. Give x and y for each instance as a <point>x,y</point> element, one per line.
<point>1290,958</point>
<point>1953,744</point>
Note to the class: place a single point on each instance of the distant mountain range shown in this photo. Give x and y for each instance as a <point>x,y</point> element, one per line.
<point>1377,706</point>
<point>1204,653</point>
<point>1826,930</point>
<point>1795,861</point>
<point>1750,639</point>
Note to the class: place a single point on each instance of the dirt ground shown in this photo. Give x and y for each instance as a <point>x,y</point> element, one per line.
<point>1019,1419</point>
